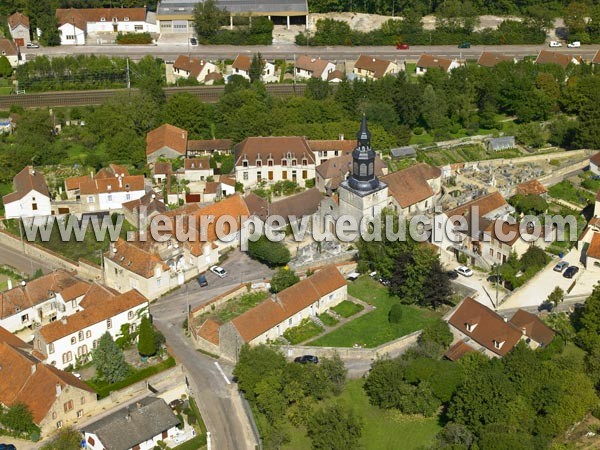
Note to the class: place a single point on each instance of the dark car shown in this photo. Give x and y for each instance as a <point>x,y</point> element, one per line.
<point>402,46</point>
<point>305,359</point>
<point>571,272</point>
<point>193,41</point>
<point>464,45</point>
<point>546,306</point>
<point>7,447</point>
<point>177,403</point>
<point>452,274</point>
<point>202,281</point>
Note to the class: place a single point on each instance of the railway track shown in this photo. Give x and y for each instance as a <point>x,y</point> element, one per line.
<point>208,94</point>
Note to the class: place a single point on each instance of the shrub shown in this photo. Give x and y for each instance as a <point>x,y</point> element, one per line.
<point>134,38</point>
<point>270,253</point>
<point>395,314</point>
<point>418,131</point>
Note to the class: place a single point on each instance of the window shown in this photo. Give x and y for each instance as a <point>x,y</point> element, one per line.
<point>127,196</point>
<point>304,174</point>
<point>158,281</point>
<point>284,162</point>
<point>82,350</point>
<point>498,344</point>
<point>270,163</point>
<point>491,252</point>
<point>108,323</point>
<point>91,441</point>
<point>284,174</point>
<point>470,326</point>
<point>59,425</point>
<point>110,197</point>
<point>290,321</point>
<point>138,27</point>
<point>51,348</point>
<point>305,162</point>
<point>73,304</point>
<point>130,315</point>
<point>24,318</point>
<point>245,176</point>
<point>90,199</point>
<point>82,401</point>
<point>70,37</point>
<point>73,340</point>
<point>54,415</point>
<point>68,406</point>
<point>80,414</point>
<point>245,163</point>
<point>34,206</point>
<point>67,357</point>
<point>258,163</point>
<point>80,335</point>
<point>294,162</point>
<point>88,334</point>
<point>95,343</point>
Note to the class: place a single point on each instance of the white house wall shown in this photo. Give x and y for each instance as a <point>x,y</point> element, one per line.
<point>24,207</point>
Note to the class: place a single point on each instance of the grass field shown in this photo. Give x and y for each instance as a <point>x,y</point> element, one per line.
<point>328,319</point>
<point>565,190</point>
<point>239,305</point>
<point>382,429</point>
<point>347,308</point>
<point>373,328</point>
<point>303,332</point>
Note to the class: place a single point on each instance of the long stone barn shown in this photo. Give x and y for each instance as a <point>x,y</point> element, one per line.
<point>177,16</point>
<point>268,320</point>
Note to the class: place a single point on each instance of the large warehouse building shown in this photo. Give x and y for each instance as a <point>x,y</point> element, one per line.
<point>176,16</point>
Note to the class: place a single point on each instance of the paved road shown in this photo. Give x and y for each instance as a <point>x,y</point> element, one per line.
<point>21,262</point>
<point>169,51</point>
<point>218,400</point>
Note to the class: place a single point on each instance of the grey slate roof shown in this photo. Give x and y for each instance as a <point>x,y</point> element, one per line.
<point>501,142</point>
<point>133,424</point>
<point>403,152</point>
<point>293,7</point>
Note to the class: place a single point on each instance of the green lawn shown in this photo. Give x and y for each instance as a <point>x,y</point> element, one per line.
<point>469,152</point>
<point>303,332</point>
<point>373,329</point>
<point>383,429</point>
<point>328,319</point>
<point>239,305</point>
<point>348,308</point>
<point>565,190</point>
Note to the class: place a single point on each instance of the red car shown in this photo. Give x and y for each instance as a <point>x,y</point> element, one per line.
<point>402,46</point>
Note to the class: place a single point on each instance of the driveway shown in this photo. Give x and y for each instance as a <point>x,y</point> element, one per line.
<point>217,396</point>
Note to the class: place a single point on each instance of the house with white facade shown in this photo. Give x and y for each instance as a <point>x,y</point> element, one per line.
<point>414,190</point>
<point>273,159</point>
<point>54,398</point>
<point>270,319</point>
<point>309,67</point>
<point>166,141</point>
<point>369,67</point>
<point>18,26</point>
<point>75,24</point>
<point>595,163</point>
<point>31,197</point>
<point>140,426</point>
<point>109,194</point>
<point>71,339</point>
<point>41,301</point>
<point>195,68</point>
<point>241,66</point>
<point>197,169</point>
<point>10,50</point>
<point>426,62</point>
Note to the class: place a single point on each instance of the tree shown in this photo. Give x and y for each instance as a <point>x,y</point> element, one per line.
<point>270,253</point>
<point>146,345</point>
<point>534,257</point>
<point>383,383</point>
<point>335,428</point>
<point>437,332</point>
<point>109,359</point>
<point>575,17</point>
<point>395,314</point>
<point>256,68</point>
<point>67,438</point>
<point>18,418</point>
<point>437,290</point>
<point>6,69</point>
<point>556,296</point>
<point>335,371</point>
<point>208,18</point>
<point>283,279</point>
<point>254,364</point>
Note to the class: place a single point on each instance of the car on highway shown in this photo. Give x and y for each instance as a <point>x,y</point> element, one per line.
<point>464,45</point>
<point>193,42</point>
<point>555,44</point>
<point>464,271</point>
<point>561,266</point>
<point>305,359</point>
<point>32,45</point>
<point>402,46</point>
<point>218,271</point>
<point>571,272</point>
<point>574,44</point>
<point>202,281</point>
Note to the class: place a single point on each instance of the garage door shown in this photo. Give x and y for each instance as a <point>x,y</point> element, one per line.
<point>180,26</point>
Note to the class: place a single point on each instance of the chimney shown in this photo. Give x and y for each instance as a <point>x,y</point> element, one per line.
<point>121,181</point>
<point>524,331</point>
<point>341,137</point>
<point>9,282</point>
<point>91,174</point>
<point>58,389</point>
<point>63,320</point>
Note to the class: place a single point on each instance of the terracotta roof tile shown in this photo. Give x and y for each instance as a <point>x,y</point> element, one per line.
<point>486,205</point>
<point>532,187</point>
<point>8,47</point>
<point>111,171</point>
<point>98,313</point>
<point>166,136</point>
<point>429,61</point>
<point>336,75</point>
<point>596,59</point>
<point>342,145</point>
<point>84,15</point>
<point>107,185</point>
<point>26,181</point>
<point>162,168</point>
<point>336,169</point>
<point>409,186</point>
<point>74,183</point>
<point>211,187</point>
<point>75,291</point>
<point>288,302</point>
<point>534,328</point>
<point>213,76</point>
<point>96,294</point>
<point>197,163</point>
<point>458,350</point>
<point>548,57</point>
<point>209,330</point>
<point>375,66</point>
<point>316,66</point>
<point>488,329</point>
<point>16,19</point>
<point>275,147</point>
<point>491,59</point>
<point>150,201</point>
<point>512,228</point>
<point>593,250</point>
<point>206,145</point>
<point>595,159</point>
<point>135,259</point>
<point>192,65</point>
<point>242,62</point>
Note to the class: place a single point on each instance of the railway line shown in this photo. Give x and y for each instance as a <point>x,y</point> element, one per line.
<point>208,94</point>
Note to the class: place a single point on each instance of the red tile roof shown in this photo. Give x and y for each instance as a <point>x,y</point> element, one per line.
<point>375,66</point>
<point>548,57</point>
<point>197,163</point>
<point>458,350</point>
<point>409,186</point>
<point>107,185</point>
<point>167,136</point>
<point>192,65</point>
<point>16,19</point>
<point>100,312</point>
<point>532,187</point>
<point>209,330</point>
<point>8,47</point>
<point>82,16</point>
<point>342,145</point>
<point>288,302</point>
<point>162,168</point>
<point>508,230</point>
<point>316,66</point>
<point>208,145</point>
<point>593,250</point>
<point>533,327</point>
<point>111,171</point>
<point>96,294</point>
<point>242,62</point>
<point>26,181</point>
<point>595,159</point>
<point>335,169</point>
<point>429,61</point>
<point>276,147</point>
<point>486,205</point>
<point>135,259</point>
<point>491,59</point>
<point>488,328</point>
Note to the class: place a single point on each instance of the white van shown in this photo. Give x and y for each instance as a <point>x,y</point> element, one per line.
<point>575,44</point>
<point>555,44</point>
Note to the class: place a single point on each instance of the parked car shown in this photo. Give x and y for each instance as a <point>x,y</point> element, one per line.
<point>176,403</point>
<point>571,272</point>
<point>305,359</point>
<point>202,281</point>
<point>32,45</point>
<point>464,45</point>
<point>218,271</point>
<point>546,306</point>
<point>402,46</point>
<point>193,41</point>
<point>352,276</point>
<point>7,447</point>
<point>452,274</point>
<point>574,44</point>
<point>385,281</point>
<point>464,271</point>
<point>555,44</point>
<point>561,266</point>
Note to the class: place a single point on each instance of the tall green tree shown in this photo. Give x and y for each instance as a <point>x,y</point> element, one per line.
<point>109,359</point>
<point>67,438</point>
<point>6,69</point>
<point>18,418</point>
<point>283,279</point>
<point>146,345</point>
<point>335,428</point>
<point>256,68</point>
<point>208,18</point>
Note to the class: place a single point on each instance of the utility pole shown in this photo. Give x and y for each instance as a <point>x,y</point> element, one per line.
<point>128,80</point>
<point>497,282</point>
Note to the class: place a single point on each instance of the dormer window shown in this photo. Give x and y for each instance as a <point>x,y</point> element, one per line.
<point>270,162</point>
<point>470,327</point>
<point>498,344</point>
<point>102,19</point>
<point>115,20</point>
<point>294,162</point>
<point>258,163</point>
<point>245,163</point>
<point>126,19</point>
<point>305,162</point>
<point>284,162</point>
